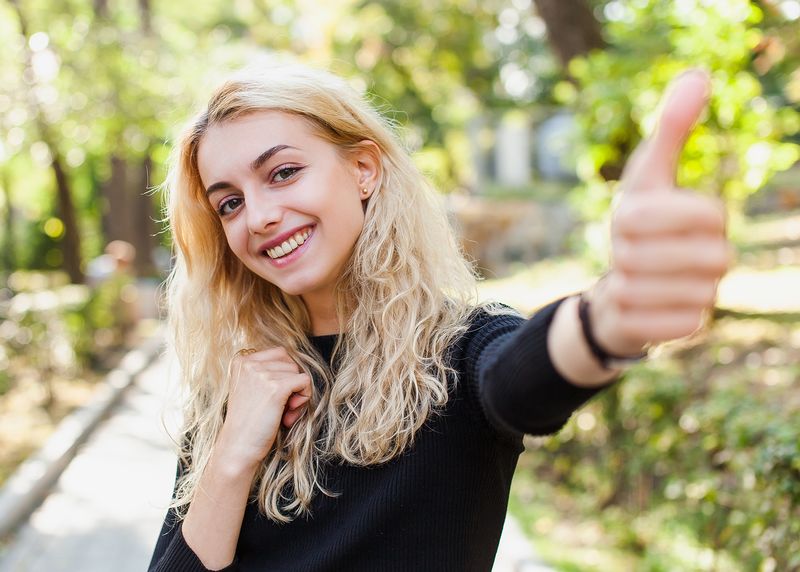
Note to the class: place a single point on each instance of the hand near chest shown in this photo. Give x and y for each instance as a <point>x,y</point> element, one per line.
<point>267,389</point>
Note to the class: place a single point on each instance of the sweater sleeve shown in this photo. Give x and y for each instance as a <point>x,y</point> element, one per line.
<point>172,553</point>
<point>519,389</point>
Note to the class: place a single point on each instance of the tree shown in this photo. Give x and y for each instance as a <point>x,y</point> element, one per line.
<point>572,28</point>
<point>71,244</point>
<point>745,139</point>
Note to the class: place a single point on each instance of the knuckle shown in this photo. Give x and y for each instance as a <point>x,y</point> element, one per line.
<point>275,352</point>
<point>623,292</point>
<point>624,254</point>
<point>722,259</point>
<point>246,367</point>
<point>608,289</point>
<point>627,218</point>
<point>713,211</point>
<point>628,329</point>
<point>717,205</point>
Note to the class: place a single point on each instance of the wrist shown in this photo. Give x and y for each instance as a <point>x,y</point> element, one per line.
<point>568,351</point>
<point>605,316</point>
<point>607,359</point>
<point>232,460</point>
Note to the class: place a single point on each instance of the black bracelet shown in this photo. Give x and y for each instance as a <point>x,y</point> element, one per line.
<point>606,359</point>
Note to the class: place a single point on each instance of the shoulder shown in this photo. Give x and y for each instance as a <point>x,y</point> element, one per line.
<point>488,322</point>
<point>485,324</point>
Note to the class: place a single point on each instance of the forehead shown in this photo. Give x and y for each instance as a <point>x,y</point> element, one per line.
<point>236,143</point>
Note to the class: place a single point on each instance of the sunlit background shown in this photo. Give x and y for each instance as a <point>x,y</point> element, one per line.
<point>523,114</point>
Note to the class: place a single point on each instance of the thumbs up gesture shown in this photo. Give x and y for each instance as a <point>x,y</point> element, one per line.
<point>668,244</point>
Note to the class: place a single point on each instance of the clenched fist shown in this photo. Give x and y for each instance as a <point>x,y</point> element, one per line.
<point>669,249</point>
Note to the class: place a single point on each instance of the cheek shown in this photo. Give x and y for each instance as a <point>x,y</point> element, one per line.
<point>354,217</point>
<point>237,241</point>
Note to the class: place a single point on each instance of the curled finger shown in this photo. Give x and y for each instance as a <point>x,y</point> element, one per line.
<point>656,326</point>
<point>664,292</point>
<point>675,255</point>
<point>297,400</point>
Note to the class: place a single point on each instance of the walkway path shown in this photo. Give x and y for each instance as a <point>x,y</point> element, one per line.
<point>106,510</point>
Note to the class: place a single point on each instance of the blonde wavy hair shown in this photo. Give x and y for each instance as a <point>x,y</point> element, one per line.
<point>403,300</point>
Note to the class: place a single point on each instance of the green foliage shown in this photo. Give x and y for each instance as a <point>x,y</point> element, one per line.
<point>743,140</point>
<point>439,65</point>
<point>690,461</point>
<point>59,328</point>
<point>87,85</point>
<point>118,82</point>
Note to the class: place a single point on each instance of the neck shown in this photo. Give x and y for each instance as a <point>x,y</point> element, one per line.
<point>322,311</point>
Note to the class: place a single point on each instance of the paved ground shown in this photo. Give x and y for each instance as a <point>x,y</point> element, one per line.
<point>106,510</point>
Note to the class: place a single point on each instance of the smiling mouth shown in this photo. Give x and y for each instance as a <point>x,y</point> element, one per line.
<point>289,245</point>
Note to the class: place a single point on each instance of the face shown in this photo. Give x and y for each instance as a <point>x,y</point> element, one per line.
<point>290,202</point>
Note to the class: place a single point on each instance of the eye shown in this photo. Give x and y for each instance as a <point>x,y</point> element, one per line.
<point>284,174</point>
<point>228,206</point>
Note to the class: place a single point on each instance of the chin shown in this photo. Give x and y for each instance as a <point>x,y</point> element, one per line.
<point>296,288</point>
<point>291,291</point>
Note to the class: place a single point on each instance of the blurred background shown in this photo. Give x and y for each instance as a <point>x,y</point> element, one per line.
<point>523,113</point>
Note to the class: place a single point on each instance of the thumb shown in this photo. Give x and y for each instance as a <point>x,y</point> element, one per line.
<point>654,164</point>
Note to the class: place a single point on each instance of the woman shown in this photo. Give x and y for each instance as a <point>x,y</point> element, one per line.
<point>349,406</point>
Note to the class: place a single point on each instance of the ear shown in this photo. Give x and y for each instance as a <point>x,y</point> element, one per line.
<point>367,161</point>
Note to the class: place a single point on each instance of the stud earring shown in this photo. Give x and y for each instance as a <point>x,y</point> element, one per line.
<point>364,191</point>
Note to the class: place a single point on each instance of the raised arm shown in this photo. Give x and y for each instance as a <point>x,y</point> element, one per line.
<point>668,252</point>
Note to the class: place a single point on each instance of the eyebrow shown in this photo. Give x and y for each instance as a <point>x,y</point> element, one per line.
<point>254,166</point>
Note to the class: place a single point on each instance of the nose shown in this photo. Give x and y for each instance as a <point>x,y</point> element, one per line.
<point>261,212</point>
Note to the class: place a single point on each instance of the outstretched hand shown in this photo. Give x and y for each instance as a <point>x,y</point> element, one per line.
<point>669,249</point>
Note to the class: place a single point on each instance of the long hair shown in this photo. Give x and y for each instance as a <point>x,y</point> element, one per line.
<point>402,301</point>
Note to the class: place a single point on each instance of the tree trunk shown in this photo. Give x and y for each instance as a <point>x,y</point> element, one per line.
<point>145,14</point>
<point>71,243</point>
<point>101,8</point>
<point>143,213</point>
<point>572,28</point>
<point>573,31</point>
<point>9,248</point>
<point>128,210</point>
<point>116,219</point>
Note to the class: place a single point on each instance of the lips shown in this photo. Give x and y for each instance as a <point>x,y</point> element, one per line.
<point>289,245</point>
<point>279,239</point>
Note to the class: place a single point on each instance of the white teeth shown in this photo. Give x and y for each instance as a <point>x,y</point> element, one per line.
<point>289,245</point>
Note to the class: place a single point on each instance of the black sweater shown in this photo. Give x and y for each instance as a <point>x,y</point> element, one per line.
<point>441,504</point>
